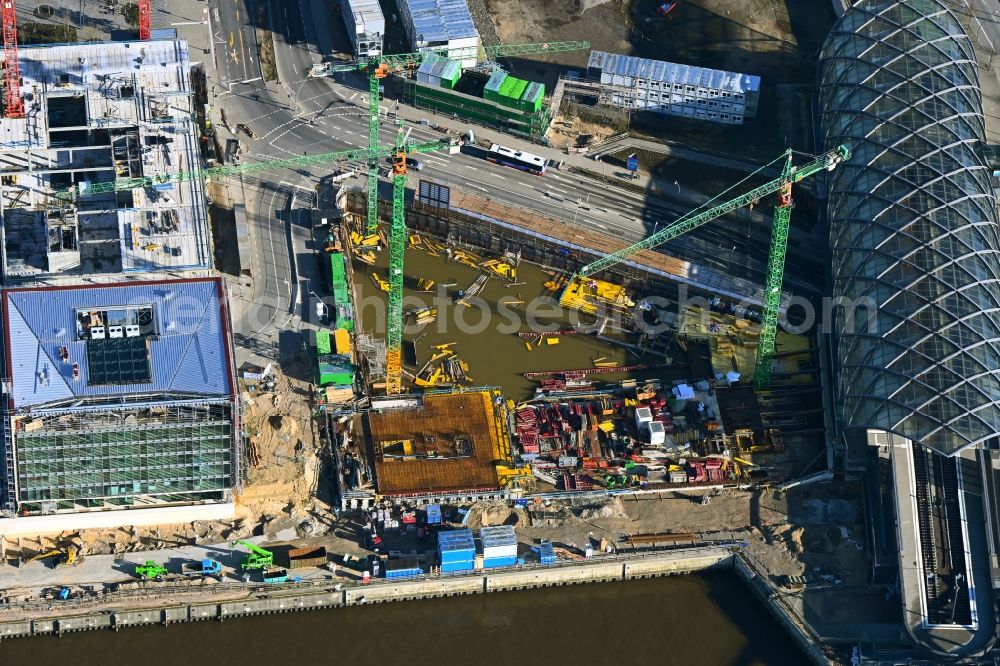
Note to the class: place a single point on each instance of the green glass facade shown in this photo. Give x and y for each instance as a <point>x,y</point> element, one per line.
<point>176,454</point>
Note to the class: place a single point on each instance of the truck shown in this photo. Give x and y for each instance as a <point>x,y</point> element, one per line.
<point>257,558</point>
<point>300,558</point>
<point>206,567</point>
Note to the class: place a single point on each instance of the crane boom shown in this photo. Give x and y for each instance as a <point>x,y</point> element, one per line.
<point>254,548</point>
<point>400,61</point>
<point>776,257</point>
<point>692,221</point>
<point>378,68</point>
<point>251,167</point>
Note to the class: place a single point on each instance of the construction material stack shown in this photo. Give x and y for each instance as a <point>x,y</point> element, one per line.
<point>456,550</point>
<point>499,546</point>
<point>546,553</point>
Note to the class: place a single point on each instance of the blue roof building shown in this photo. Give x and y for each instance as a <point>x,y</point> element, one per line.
<point>118,395</point>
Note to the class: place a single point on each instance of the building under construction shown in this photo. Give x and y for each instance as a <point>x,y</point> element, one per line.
<point>95,113</point>
<point>119,397</point>
<point>438,443</point>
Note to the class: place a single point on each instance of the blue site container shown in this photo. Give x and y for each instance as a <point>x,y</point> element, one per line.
<point>406,567</point>
<point>456,546</point>
<point>547,552</point>
<point>452,567</point>
<point>433,514</point>
<point>494,562</point>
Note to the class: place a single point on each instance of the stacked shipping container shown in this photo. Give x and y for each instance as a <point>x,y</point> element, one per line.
<point>499,546</point>
<point>456,550</point>
<point>439,72</point>
<point>682,90</point>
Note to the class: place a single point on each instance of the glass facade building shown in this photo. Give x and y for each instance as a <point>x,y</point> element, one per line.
<point>914,233</point>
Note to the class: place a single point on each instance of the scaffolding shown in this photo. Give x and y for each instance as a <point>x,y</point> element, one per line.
<point>372,351</point>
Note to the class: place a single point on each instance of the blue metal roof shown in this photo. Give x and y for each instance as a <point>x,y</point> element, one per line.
<point>618,65</point>
<point>441,20</point>
<point>188,350</point>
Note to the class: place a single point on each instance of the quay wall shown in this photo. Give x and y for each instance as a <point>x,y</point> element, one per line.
<point>67,617</point>
<point>87,614</point>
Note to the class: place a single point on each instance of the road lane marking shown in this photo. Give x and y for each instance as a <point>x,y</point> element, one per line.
<point>241,53</point>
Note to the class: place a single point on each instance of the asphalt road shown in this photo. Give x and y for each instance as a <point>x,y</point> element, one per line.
<point>301,116</point>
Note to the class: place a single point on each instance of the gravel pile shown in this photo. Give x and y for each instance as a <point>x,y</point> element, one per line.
<point>484,23</point>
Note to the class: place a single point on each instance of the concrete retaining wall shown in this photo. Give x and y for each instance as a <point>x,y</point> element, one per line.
<point>85,520</point>
<point>798,630</point>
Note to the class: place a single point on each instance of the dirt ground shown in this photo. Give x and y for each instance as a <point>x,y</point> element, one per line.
<point>777,40</point>
<point>280,491</point>
<point>784,537</point>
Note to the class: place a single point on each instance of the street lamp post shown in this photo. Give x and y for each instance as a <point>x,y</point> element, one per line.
<point>322,310</point>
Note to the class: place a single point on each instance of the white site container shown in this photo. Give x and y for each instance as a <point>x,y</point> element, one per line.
<point>657,435</point>
<point>643,415</point>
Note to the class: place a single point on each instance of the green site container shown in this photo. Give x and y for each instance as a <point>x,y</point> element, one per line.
<point>513,98</point>
<point>505,88</point>
<point>491,91</point>
<point>477,110</point>
<point>345,323</point>
<point>450,75</point>
<point>533,97</point>
<point>332,375</point>
<point>323,345</point>
<point>338,267</point>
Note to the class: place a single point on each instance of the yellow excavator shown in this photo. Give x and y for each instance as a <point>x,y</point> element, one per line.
<point>66,556</point>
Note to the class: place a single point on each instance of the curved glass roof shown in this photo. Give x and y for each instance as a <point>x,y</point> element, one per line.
<point>913,225</point>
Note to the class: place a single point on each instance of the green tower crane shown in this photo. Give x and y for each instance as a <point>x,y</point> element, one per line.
<point>257,558</point>
<point>379,68</point>
<point>779,243</point>
<point>122,184</point>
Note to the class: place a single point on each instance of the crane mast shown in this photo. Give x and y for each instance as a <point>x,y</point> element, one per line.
<point>378,68</point>
<point>779,243</point>
<point>14,105</point>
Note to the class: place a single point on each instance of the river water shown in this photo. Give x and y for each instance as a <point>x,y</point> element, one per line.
<point>705,620</point>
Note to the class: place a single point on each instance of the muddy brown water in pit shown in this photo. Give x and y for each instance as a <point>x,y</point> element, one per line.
<point>708,620</point>
<point>488,343</point>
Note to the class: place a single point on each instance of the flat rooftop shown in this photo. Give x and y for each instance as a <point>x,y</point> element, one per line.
<point>166,339</point>
<point>449,443</point>
<point>95,113</point>
<point>439,21</point>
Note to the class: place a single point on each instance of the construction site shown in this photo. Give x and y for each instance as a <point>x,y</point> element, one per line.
<point>454,355</point>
